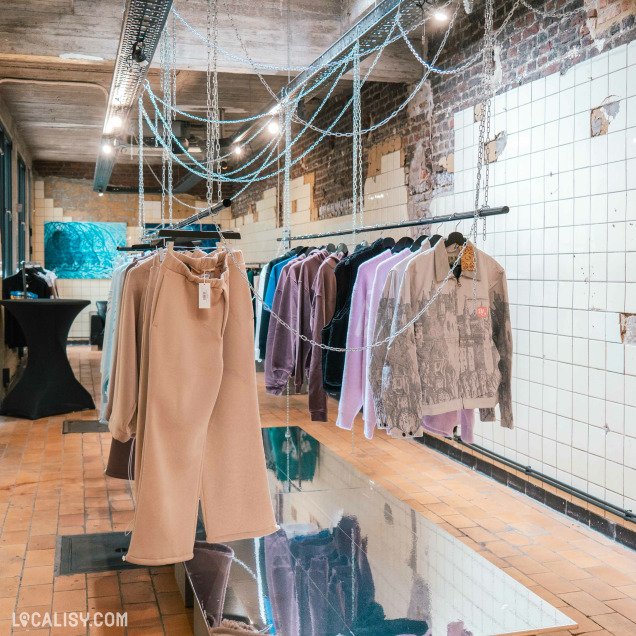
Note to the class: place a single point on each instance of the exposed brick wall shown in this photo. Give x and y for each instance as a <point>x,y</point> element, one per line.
<point>532,47</point>
<point>78,199</point>
<point>124,175</point>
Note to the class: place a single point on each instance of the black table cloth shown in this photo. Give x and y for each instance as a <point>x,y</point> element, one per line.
<point>48,386</point>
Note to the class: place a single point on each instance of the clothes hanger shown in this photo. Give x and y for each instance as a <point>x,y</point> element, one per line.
<point>455,238</point>
<point>388,243</point>
<point>404,243</point>
<point>417,243</point>
<point>342,249</point>
<point>330,247</point>
<point>434,239</point>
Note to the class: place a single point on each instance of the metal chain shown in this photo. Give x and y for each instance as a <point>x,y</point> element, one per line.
<point>325,347</point>
<point>358,116</point>
<point>142,210</point>
<point>164,129</point>
<point>209,124</point>
<point>406,102</point>
<point>356,139</point>
<point>172,79</point>
<point>483,163</point>
<point>552,14</point>
<point>273,67</point>
<point>216,167</point>
<point>288,110</point>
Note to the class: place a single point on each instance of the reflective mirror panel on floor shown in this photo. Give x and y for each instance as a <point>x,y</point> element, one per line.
<point>350,558</point>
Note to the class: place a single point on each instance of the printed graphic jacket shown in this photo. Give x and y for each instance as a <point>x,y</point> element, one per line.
<point>458,354</point>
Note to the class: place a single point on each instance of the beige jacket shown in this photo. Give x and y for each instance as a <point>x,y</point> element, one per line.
<point>456,355</point>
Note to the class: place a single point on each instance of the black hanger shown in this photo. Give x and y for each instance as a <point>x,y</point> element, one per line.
<point>434,239</point>
<point>455,238</point>
<point>417,243</point>
<point>402,244</point>
<point>388,243</point>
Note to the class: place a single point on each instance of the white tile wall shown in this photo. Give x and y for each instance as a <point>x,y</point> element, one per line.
<point>569,249</point>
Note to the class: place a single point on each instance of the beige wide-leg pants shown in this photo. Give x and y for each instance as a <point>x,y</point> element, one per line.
<point>201,430</point>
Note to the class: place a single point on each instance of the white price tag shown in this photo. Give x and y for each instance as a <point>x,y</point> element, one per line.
<point>204,295</point>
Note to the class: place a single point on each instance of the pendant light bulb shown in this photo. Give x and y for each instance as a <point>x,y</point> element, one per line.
<point>440,16</point>
<point>273,127</point>
<point>238,151</point>
<point>107,149</point>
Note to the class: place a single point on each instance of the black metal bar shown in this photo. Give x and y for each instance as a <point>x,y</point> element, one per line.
<point>396,226</point>
<point>197,217</point>
<point>511,463</point>
<point>193,235</point>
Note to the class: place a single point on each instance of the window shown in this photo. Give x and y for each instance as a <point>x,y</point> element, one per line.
<point>23,209</point>
<point>6,203</point>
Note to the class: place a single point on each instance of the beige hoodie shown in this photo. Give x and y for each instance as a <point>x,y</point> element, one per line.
<point>457,355</point>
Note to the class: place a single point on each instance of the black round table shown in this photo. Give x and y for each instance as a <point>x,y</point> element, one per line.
<point>48,385</point>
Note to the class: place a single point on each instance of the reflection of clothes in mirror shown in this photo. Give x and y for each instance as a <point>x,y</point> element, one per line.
<point>301,448</point>
<point>457,628</point>
<point>310,580</point>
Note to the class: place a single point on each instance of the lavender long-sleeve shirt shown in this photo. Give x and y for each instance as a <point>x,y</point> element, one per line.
<point>355,378</point>
<point>379,279</point>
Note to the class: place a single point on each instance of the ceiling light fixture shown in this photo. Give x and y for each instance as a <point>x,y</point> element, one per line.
<point>238,151</point>
<point>107,148</point>
<point>100,192</point>
<point>113,123</point>
<point>273,127</point>
<point>440,16</point>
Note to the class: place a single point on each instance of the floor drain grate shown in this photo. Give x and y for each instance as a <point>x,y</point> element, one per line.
<point>84,553</point>
<point>84,426</point>
<point>99,552</point>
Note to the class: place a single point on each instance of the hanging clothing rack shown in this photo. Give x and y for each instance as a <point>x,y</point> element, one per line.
<point>198,235</point>
<point>396,226</point>
<point>197,217</point>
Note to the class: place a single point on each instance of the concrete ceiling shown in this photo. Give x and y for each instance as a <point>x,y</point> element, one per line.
<point>68,48</point>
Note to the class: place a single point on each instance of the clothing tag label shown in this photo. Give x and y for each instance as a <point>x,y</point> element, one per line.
<point>482,312</point>
<point>204,295</point>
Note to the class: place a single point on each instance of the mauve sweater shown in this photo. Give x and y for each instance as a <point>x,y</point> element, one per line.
<point>322,311</point>
<point>308,273</point>
<point>280,355</point>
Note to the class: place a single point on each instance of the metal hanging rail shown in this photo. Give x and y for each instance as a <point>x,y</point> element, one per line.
<point>193,218</point>
<point>203,235</point>
<point>141,29</point>
<point>396,226</point>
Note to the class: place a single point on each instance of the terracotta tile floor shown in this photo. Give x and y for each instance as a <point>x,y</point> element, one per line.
<point>52,484</point>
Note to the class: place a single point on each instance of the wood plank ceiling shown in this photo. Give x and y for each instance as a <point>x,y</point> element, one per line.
<point>62,52</point>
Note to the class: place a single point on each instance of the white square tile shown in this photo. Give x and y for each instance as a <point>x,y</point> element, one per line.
<point>599,90</point>
<point>618,143</point>
<point>617,58</point>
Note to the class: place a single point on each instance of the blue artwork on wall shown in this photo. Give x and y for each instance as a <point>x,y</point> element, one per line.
<point>82,250</point>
